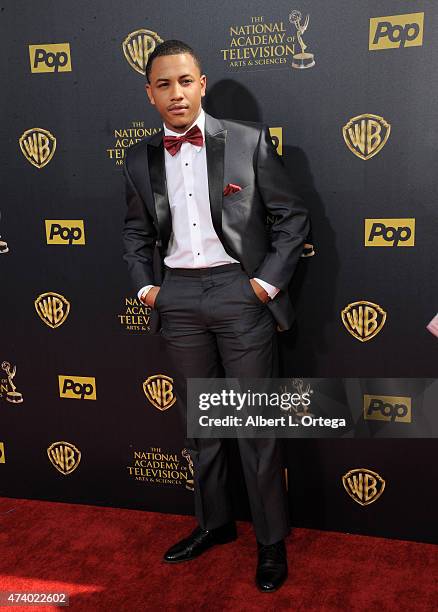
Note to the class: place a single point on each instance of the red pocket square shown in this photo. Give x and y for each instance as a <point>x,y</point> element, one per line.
<point>231,188</point>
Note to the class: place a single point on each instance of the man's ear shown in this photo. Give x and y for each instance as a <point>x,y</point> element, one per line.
<point>149,93</point>
<point>203,85</point>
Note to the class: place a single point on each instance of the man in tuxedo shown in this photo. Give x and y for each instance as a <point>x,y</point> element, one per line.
<point>200,191</point>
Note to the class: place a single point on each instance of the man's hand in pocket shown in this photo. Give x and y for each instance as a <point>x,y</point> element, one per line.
<point>259,291</point>
<point>150,296</point>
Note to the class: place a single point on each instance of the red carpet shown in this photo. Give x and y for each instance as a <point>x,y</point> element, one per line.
<point>110,559</point>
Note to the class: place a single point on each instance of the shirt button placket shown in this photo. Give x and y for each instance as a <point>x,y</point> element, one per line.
<point>194,214</point>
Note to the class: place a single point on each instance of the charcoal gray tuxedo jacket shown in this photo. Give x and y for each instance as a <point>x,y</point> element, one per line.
<point>237,152</point>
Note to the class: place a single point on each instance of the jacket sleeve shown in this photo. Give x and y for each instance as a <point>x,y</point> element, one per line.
<point>291,224</point>
<point>139,236</point>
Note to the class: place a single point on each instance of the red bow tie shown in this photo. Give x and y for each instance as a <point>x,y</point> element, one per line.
<point>173,143</point>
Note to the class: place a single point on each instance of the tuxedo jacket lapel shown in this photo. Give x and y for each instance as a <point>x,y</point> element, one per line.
<point>157,174</point>
<point>215,140</point>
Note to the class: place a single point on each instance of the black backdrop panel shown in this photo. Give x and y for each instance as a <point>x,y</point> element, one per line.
<point>118,449</point>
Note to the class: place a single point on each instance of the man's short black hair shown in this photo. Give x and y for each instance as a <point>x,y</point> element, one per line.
<point>171,47</point>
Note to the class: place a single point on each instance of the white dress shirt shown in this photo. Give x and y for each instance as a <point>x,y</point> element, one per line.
<point>193,242</point>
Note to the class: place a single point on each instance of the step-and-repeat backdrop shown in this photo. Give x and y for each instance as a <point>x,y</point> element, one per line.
<point>87,408</point>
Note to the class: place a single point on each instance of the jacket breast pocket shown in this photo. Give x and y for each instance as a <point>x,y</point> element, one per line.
<point>243,194</point>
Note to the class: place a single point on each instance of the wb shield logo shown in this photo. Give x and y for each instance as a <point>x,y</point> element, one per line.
<point>363,485</point>
<point>137,48</point>
<point>38,146</point>
<point>64,456</point>
<point>366,135</point>
<point>50,58</point>
<point>159,391</point>
<point>52,308</point>
<point>363,320</point>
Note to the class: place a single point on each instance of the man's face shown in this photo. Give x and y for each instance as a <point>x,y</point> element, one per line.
<point>175,89</point>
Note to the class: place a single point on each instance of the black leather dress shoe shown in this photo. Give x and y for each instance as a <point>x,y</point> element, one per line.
<point>272,566</point>
<point>199,541</point>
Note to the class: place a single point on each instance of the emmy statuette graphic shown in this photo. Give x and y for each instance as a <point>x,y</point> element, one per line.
<point>13,395</point>
<point>301,60</point>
